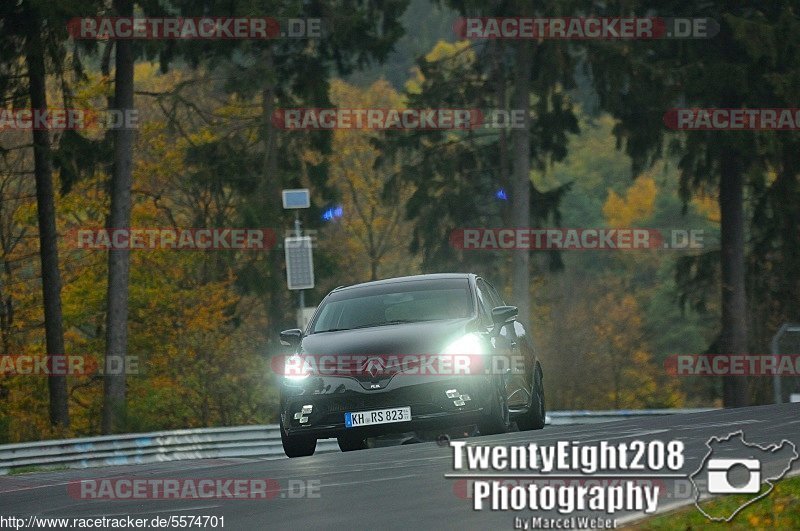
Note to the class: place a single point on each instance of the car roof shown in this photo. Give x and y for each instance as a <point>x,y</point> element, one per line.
<point>412,278</point>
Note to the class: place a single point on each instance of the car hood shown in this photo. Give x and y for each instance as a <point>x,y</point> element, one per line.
<point>429,337</point>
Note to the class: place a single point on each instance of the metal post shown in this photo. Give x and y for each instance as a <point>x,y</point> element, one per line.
<point>301,298</point>
<point>295,199</point>
<point>776,378</point>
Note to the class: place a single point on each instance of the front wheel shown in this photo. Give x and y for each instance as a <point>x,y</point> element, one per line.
<point>535,417</point>
<point>496,417</point>
<point>298,445</point>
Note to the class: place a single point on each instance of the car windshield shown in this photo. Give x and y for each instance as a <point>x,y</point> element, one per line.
<point>397,303</point>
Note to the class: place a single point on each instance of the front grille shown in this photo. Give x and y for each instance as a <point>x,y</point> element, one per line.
<point>330,408</point>
<point>334,404</point>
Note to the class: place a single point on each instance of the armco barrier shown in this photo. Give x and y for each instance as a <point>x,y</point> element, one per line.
<point>203,443</point>
<point>557,418</point>
<point>140,448</point>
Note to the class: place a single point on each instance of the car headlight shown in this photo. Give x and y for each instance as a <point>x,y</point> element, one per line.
<point>296,368</point>
<point>468,345</point>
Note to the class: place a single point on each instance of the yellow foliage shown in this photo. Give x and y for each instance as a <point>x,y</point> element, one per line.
<point>372,231</point>
<point>599,334</point>
<point>461,53</point>
<point>708,206</point>
<point>636,206</point>
<point>447,50</point>
<point>196,368</point>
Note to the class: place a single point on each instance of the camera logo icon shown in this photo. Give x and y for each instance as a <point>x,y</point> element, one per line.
<point>734,466</point>
<point>719,476</point>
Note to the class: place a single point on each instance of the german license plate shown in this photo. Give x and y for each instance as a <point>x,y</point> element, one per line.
<point>377,416</point>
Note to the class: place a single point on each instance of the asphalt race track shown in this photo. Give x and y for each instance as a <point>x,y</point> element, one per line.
<point>398,487</point>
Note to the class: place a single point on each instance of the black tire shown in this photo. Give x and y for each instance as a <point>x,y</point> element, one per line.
<point>349,443</point>
<point>298,446</point>
<point>535,416</point>
<point>496,419</point>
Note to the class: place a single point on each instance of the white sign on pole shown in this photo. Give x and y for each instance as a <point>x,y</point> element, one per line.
<point>296,198</point>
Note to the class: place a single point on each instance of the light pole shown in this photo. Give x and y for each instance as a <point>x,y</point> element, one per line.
<point>298,232</point>
<point>297,248</point>
<point>776,377</point>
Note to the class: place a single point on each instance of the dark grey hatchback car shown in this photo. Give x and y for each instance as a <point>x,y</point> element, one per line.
<point>406,354</point>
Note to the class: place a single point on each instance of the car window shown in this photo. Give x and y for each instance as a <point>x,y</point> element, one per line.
<point>402,304</point>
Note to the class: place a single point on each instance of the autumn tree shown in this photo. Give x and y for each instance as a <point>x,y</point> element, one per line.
<point>373,224</point>
<point>736,68</point>
<point>533,76</point>
<point>463,178</point>
<point>35,32</point>
<point>263,76</point>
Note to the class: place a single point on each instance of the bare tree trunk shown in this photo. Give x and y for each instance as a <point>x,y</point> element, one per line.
<point>520,181</point>
<point>46,212</point>
<point>114,406</point>
<point>269,188</point>
<point>497,51</point>
<point>373,267</point>
<point>733,338</point>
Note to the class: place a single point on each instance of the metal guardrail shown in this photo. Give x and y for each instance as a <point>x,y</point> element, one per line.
<point>557,418</point>
<point>143,448</point>
<point>205,443</point>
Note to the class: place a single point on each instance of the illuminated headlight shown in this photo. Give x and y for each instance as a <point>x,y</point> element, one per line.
<point>467,345</point>
<point>296,368</point>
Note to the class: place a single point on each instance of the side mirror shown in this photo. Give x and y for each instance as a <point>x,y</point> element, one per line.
<point>291,337</point>
<point>504,314</point>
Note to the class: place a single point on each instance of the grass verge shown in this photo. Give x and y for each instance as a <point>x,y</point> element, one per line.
<point>779,510</point>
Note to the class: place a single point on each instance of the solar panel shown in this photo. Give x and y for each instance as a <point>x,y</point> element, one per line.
<point>299,262</point>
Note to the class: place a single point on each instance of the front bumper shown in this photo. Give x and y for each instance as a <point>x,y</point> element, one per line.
<point>330,398</point>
